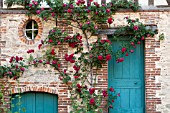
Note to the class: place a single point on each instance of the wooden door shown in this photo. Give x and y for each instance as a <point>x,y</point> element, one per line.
<point>128,79</point>
<point>34,102</point>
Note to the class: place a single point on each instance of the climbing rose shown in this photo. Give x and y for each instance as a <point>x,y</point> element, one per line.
<point>127,54</point>
<point>108,10</point>
<point>69,11</point>
<point>132,43</point>
<point>120,60</point>
<point>17,58</point>
<point>110,106</point>
<point>58,65</point>
<point>22,69</point>
<point>148,35</point>
<point>108,57</point>
<point>30,5</point>
<point>100,57</point>
<point>123,49</point>
<point>138,42</point>
<point>91,91</point>
<point>104,93</point>
<point>30,51</point>
<point>42,9</point>
<point>132,51</point>
<point>39,46</point>
<point>50,40</point>
<point>111,89</point>
<point>135,28</point>
<point>53,52</point>
<point>76,77</point>
<point>91,0</point>
<point>76,68</point>
<point>64,5</point>
<point>143,38</point>
<point>54,62</point>
<point>79,86</point>
<point>11,59</point>
<point>92,101</point>
<point>40,61</point>
<point>53,14</point>
<point>118,94</point>
<point>110,20</point>
<point>38,12</point>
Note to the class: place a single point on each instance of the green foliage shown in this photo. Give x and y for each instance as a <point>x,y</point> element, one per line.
<point>161,36</point>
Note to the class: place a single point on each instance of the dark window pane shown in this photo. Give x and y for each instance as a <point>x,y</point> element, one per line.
<point>29,25</point>
<point>30,32</point>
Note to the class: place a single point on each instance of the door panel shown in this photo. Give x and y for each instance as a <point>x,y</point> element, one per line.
<point>128,79</point>
<point>34,102</point>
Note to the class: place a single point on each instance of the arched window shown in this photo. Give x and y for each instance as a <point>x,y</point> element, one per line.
<point>31,30</point>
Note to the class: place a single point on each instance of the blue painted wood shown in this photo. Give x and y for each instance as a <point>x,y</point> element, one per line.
<point>128,79</point>
<point>34,102</point>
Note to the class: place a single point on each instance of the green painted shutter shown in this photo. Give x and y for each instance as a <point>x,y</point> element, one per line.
<point>34,102</point>
<point>128,79</point>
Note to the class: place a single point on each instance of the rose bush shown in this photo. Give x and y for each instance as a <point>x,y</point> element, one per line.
<point>85,96</point>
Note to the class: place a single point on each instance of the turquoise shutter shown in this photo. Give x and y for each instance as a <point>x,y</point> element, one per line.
<point>35,103</point>
<point>128,79</point>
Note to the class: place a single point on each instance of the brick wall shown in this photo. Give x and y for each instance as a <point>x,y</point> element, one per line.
<point>157,62</point>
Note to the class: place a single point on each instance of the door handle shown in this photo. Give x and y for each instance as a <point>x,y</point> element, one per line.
<point>135,83</point>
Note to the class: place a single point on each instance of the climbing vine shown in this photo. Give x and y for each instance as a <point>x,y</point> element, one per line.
<point>88,57</point>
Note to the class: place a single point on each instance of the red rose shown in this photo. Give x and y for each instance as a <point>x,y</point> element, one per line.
<point>120,60</point>
<point>54,62</point>
<point>108,10</point>
<point>100,57</point>
<point>76,77</point>
<point>64,5</point>
<point>108,57</point>
<point>58,65</point>
<point>104,93</point>
<point>91,91</point>
<point>20,58</point>
<point>38,12</point>
<point>22,69</point>
<point>135,28</point>
<point>123,49</point>
<point>79,86</point>
<point>92,101</point>
<point>30,5</point>
<point>17,58</point>
<point>11,59</point>
<point>148,35</point>
<point>50,40</point>
<point>110,106</point>
<point>69,10</point>
<point>110,20</point>
<point>132,43</point>
<point>138,42</point>
<point>53,52</point>
<point>53,14</point>
<point>39,46</point>
<point>143,38</point>
<point>40,61</point>
<point>132,51</point>
<point>127,54</point>
<point>111,89</point>
<point>118,94</point>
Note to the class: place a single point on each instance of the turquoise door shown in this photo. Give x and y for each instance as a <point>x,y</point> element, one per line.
<point>34,102</point>
<point>128,79</point>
